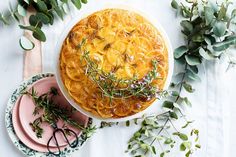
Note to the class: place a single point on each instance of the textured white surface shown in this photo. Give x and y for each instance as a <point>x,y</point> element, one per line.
<point>213,108</point>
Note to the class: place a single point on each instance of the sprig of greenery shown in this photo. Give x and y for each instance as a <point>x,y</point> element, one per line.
<point>161,125</point>
<point>119,88</point>
<point>158,135</point>
<point>52,112</point>
<point>45,13</point>
<point>36,127</point>
<point>208,31</point>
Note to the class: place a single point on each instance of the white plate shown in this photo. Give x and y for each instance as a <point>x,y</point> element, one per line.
<point>10,129</point>
<point>64,35</point>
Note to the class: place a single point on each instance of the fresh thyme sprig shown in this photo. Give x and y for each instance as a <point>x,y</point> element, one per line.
<point>52,112</point>
<point>119,88</point>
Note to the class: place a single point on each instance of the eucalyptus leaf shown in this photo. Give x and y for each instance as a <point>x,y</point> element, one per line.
<point>173,115</point>
<point>180,51</point>
<point>233,13</point>
<point>51,17</point>
<point>198,146</point>
<point>187,144</point>
<point>26,1</point>
<point>174,4</point>
<point>26,44</point>
<point>210,40</point>
<point>64,1</point>
<point>221,46</point>
<point>206,54</point>
<point>59,12</point>
<point>84,1</point>
<point>193,69</point>
<point>182,136</point>
<point>162,154</point>
<point>187,26</point>
<point>188,153</point>
<point>198,38</point>
<point>185,11</point>
<point>219,28</point>
<point>182,147</point>
<point>42,5</point>
<point>222,12</point>
<point>168,105</point>
<point>31,28</point>
<point>192,76</point>
<point>21,10</point>
<point>154,150</point>
<point>214,6</point>
<point>192,60</point>
<point>56,8</point>
<point>34,21</point>
<point>209,14</point>
<point>42,17</point>
<point>39,34</point>
<point>186,125</point>
<point>77,3</point>
<point>16,16</point>
<point>168,141</point>
<point>187,102</point>
<point>188,87</point>
<point>3,19</point>
<point>175,93</point>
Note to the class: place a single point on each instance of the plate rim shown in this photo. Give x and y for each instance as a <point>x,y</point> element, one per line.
<point>10,129</point>
<point>24,125</point>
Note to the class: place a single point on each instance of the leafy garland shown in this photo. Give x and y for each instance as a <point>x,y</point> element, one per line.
<point>45,13</point>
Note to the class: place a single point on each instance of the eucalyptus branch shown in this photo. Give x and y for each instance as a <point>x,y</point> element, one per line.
<point>45,13</point>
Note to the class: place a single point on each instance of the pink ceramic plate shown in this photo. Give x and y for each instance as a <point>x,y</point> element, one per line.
<point>23,136</point>
<point>26,116</point>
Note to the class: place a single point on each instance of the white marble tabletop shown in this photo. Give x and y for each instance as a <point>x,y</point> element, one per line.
<point>213,108</point>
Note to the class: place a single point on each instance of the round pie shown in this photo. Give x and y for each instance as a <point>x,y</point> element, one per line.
<point>119,44</point>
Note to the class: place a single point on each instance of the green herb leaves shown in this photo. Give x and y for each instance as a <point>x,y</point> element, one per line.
<point>207,31</point>
<point>157,135</point>
<point>77,3</point>
<point>219,29</point>
<point>52,112</point>
<point>181,136</point>
<point>110,85</point>
<point>37,32</point>
<point>225,44</point>
<point>26,44</point>
<point>209,15</point>
<point>21,10</point>
<point>46,10</point>
<point>180,51</point>
<point>174,4</point>
<point>192,60</point>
